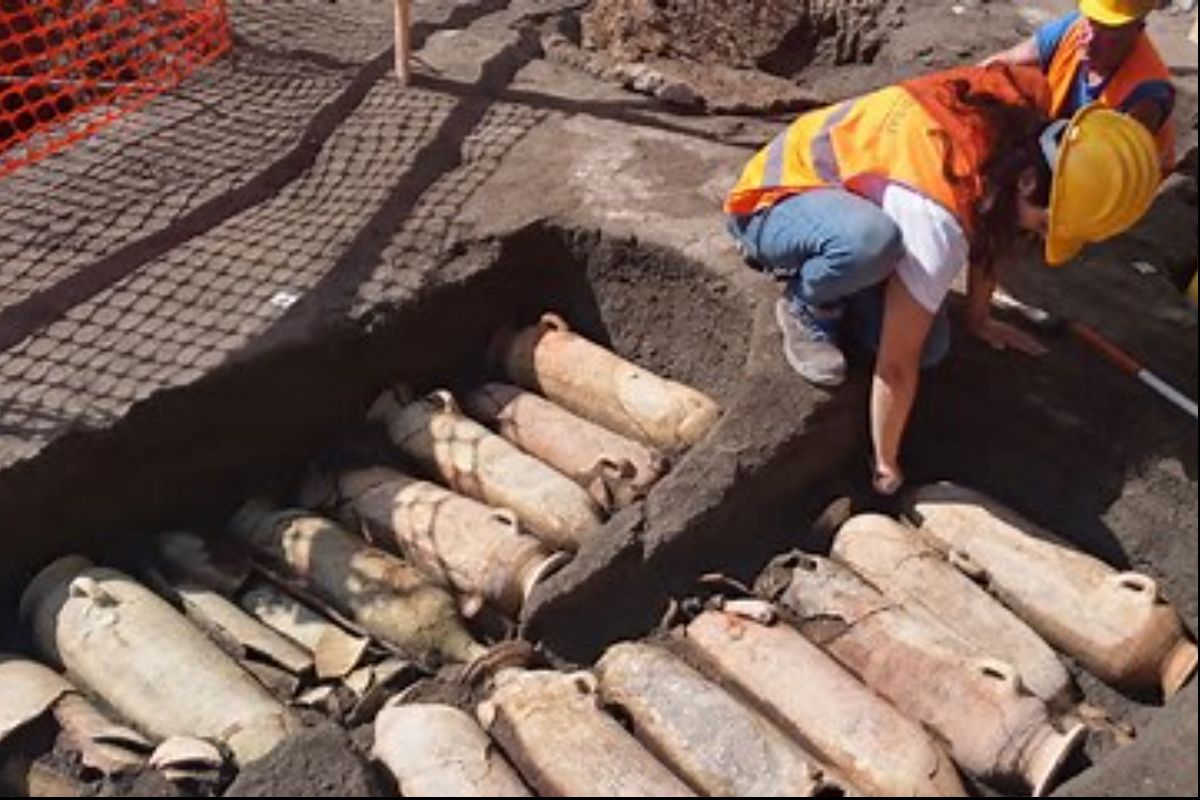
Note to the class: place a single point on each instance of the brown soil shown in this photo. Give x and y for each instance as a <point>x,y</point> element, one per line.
<point>777,36</point>
<point>762,56</point>
<point>319,762</point>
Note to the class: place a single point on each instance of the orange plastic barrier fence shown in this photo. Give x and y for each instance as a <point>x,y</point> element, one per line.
<point>69,67</point>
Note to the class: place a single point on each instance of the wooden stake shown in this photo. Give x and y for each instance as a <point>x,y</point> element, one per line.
<point>403,40</point>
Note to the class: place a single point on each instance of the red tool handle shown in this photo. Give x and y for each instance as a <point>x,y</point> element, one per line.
<point>1106,348</point>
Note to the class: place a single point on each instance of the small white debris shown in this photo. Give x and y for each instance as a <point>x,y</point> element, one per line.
<point>284,299</point>
<point>185,758</point>
<point>759,611</point>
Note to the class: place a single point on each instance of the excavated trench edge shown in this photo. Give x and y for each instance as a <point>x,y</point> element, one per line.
<point>188,456</point>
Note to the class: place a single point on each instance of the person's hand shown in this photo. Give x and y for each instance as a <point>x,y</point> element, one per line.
<point>1002,336</point>
<point>887,479</point>
<point>997,58</point>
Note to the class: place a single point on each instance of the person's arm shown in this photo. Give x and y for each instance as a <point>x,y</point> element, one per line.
<point>1151,103</point>
<point>1150,113</point>
<point>1023,54</point>
<point>1039,48</point>
<point>981,284</point>
<point>906,325</point>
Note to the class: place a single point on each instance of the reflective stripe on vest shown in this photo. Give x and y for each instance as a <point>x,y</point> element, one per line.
<point>773,171</point>
<point>824,158</point>
<point>1142,64</point>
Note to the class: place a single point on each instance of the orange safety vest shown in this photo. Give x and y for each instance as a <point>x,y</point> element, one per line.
<point>1142,64</point>
<point>900,134</point>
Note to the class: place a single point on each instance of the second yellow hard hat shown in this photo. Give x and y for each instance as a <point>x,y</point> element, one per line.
<point>1116,12</point>
<point>1106,174</point>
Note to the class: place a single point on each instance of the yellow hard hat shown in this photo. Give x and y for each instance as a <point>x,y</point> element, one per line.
<point>1116,12</point>
<point>1106,173</point>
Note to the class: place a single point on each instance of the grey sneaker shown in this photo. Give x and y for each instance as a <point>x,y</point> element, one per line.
<point>809,343</point>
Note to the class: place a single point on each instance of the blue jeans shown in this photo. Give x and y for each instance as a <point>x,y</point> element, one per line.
<point>836,251</point>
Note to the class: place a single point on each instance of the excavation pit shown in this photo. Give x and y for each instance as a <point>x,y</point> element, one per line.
<point>749,490</point>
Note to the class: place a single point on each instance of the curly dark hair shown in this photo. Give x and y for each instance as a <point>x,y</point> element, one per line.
<point>1012,148</point>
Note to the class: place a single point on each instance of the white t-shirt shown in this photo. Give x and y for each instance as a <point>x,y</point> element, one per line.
<point>936,249</point>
